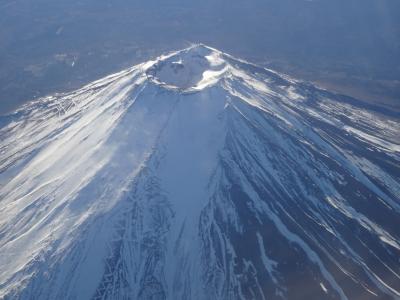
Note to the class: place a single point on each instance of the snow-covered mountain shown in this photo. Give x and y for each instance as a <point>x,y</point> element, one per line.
<point>199,176</point>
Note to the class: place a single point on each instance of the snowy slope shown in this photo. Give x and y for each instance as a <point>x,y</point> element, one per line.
<point>199,176</point>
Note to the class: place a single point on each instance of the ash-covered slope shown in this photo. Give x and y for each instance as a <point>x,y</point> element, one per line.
<point>199,176</point>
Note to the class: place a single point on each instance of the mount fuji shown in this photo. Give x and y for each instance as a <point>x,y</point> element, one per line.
<point>199,176</point>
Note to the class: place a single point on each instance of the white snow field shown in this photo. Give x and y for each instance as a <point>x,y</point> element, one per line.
<point>199,176</point>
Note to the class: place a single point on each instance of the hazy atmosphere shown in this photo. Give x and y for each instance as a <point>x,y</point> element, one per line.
<point>349,46</point>
<point>200,150</point>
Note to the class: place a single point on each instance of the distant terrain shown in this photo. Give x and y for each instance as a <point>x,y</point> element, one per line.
<point>352,46</point>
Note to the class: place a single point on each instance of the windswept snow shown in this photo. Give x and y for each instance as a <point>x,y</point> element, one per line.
<point>199,176</point>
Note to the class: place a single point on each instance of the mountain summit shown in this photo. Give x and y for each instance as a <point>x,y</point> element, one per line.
<point>199,176</point>
<point>190,69</point>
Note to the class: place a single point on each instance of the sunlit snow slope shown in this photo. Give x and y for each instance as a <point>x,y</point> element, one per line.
<point>199,176</point>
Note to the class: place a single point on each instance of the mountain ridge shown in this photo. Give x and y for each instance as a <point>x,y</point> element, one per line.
<point>198,176</point>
